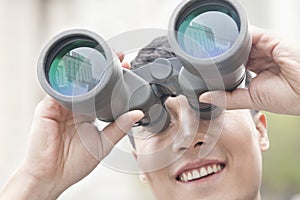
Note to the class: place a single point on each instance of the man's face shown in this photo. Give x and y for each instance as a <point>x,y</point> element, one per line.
<point>197,159</point>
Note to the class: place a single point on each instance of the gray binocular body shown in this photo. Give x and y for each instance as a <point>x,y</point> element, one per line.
<point>209,37</point>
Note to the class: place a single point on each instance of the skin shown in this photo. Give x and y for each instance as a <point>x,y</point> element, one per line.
<point>55,148</point>
<point>239,145</point>
<point>274,63</point>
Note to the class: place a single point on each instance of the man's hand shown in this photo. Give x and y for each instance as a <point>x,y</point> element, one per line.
<point>60,154</point>
<point>276,88</point>
<point>63,149</point>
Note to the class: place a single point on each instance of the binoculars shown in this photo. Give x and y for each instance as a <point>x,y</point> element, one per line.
<point>211,41</point>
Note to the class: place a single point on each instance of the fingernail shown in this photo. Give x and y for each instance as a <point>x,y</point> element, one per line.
<point>126,65</point>
<point>136,115</point>
<point>205,98</point>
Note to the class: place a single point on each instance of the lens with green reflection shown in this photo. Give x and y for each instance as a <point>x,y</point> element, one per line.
<point>77,68</point>
<point>208,31</point>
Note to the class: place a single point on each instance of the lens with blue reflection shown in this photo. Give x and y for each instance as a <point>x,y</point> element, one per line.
<point>208,31</point>
<point>77,68</point>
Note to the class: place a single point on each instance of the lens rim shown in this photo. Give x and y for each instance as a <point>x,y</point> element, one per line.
<point>57,54</point>
<point>194,11</point>
<point>60,41</point>
<point>69,45</point>
<point>187,17</point>
<point>239,50</point>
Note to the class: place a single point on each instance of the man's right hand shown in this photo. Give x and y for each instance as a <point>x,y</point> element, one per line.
<point>63,149</point>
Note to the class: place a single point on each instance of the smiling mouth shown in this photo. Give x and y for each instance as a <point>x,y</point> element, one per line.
<point>202,172</point>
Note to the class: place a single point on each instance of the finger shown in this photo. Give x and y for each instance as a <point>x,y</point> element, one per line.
<point>256,33</point>
<point>99,146</point>
<point>126,65</point>
<point>263,43</point>
<point>121,56</point>
<point>114,132</point>
<point>89,138</point>
<point>238,99</point>
<point>263,50</point>
<point>258,65</point>
<point>51,109</point>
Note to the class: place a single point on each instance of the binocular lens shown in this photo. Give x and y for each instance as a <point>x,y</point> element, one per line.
<point>208,31</point>
<point>75,69</point>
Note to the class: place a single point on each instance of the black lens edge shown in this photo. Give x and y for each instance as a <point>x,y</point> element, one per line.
<point>60,45</point>
<point>211,5</point>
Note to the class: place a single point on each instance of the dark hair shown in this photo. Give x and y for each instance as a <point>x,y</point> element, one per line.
<point>160,48</point>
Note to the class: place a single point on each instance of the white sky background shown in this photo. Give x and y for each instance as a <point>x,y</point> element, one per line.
<point>26,25</point>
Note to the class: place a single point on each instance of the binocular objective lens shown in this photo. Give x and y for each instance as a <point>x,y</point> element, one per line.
<point>76,69</point>
<point>208,31</point>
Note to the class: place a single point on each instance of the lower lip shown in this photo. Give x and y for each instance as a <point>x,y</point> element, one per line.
<point>206,179</point>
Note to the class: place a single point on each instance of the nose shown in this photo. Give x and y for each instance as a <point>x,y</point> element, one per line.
<point>184,144</point>
<point>187,137</point>
<point>187,124</point>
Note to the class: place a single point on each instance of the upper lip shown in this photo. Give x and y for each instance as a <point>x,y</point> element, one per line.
<point>197,165</point>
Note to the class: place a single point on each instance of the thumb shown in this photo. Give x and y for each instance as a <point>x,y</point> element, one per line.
<point>115,131</point>
<point>119,128</point>
<point>240,98</point>
<point>100,144</point>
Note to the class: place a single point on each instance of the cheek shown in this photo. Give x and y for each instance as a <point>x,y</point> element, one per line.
<point>241,137</point>
<point>162,185</point>
<point>158,176</point>
<point>155,154</point>
<point>153,144</point>
<point>244,156</point>
<point>160,142</point>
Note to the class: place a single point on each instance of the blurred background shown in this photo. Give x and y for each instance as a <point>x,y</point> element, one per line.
<point>26,25</point>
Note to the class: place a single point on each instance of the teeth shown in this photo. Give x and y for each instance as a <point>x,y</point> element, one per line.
<point>203,171</point>
<point>190,176</point>
<point>196,174</point>
<point>209,170</point>
<point>215,169</point>
<point>200,173</point>
<point>184,178</point>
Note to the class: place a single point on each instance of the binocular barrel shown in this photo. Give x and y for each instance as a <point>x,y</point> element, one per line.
<point>209,37</point>
<point>80,71</point>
